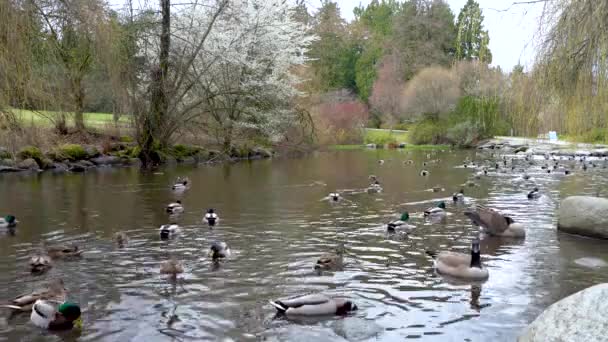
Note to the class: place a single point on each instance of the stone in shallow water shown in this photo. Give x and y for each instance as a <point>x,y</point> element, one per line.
<point>356,329</point>
<point>579,317</point>
<point>591,262</point>
<point>584,215</point>
<point>297,333</point>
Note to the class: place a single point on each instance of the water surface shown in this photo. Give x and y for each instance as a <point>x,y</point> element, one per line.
<point>273,218</point>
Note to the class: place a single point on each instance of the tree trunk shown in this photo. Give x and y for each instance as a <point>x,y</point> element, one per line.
<point>78,92</point>
<point>159,104</point>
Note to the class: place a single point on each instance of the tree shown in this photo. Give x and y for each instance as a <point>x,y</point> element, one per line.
<point>432,92</point>
<point>472,40</point>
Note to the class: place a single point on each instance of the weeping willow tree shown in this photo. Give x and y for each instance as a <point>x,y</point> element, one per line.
<point>573,65</point>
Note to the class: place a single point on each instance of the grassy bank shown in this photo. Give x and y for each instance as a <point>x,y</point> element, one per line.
<point>390,138</point>
<point>45,118</point>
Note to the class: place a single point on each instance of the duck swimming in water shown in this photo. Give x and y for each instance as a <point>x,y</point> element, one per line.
<point>458,197</point>
<point>334,197</point>
<point>534,194</point>
<point>314,305</point>
<point>437,212</point>
<point>181,184</point>
<point>211,218</point>
<point>392,226</point>
<point>219,250</point>
<point>167,231</point>
<point>53,315</point>
<point>494,223</point>
<point>9,221</point>
<point>175,208</point>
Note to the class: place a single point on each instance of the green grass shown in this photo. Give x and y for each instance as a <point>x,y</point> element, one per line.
<point>407,147</point>
<point>43,118</point>
<point>385,137</point>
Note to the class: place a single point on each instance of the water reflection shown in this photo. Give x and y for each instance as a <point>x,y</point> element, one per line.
<point>277,227</point>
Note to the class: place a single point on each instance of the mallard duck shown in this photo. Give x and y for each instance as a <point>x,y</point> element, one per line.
<point>458,196</point>
<point>9,221</point>
<point>534,194</point>
<point>63,251</point>
<point>211,218</point>
<point>53,291</point>
<point>424,173</point>
<point>374,180</point>
<point>334,197</point>
<point>121,239</point>
<point>331,261</point>
<point>460,265</point>
<point>314,305</point>
<point>54,315</point>
<point>436,212</point>
<point>40,263</point>
<point>167,231</point>
<point>219,250</point>
<point>172,267</point>
<point>401,223</point>
<point>181,184</point>
<point>175,208</point>
<point>408,162</point>
<point>495,223</point>
<point>381,161</point>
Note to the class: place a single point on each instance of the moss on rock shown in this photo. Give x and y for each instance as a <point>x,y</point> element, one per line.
<point>71,152</point>
<point>30,152</point>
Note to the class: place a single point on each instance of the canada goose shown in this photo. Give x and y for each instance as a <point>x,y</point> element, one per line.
<point>331,261</point>
<point>495,223</point>
<point>54,315</point>
<point>172,267</point>
<point>313,305</point>
<point>374,180</point>
<point>211,218</point>
<point>53,291</point>
<point>460,265</point>
<point>534,194</point>
<point>175,208</point>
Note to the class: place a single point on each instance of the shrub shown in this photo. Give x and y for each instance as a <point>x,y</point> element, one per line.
<point>432,92</point>
<point>184,151</point>
<point>380,138</point>
<point>126,139</point>
<point>428,132</point>
<point>4,154</point>
<point>71,152</point>
<point>464,134</point>
<point>30,152</point>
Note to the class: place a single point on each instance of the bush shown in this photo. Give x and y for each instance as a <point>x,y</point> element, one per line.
<point>71,152</point>
<point>380,138</point>
<point>4,154</point>
<point>428,132</point>
<point>126,139</point>
<point>180,151</point>
<point>595,135</point>
<point>464,134</point>
<point>30,152</point>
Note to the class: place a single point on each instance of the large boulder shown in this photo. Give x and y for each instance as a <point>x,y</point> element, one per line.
<point>28,164</point>
<point>106,160</point>
<point>579,317</point>
<point>584,215</point>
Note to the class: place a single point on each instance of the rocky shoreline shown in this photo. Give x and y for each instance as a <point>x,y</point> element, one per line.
<point>77,158</point>
<point>543,147</point>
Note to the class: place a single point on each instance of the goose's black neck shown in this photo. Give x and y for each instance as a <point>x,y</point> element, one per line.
<point>475,259</point>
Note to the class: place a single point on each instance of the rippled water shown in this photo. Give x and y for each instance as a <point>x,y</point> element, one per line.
<point>277,225</point>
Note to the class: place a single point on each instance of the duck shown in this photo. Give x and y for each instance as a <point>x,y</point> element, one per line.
<point>54,290</point>
<point>313,305</point>
<point>460,265</point>
<point>374,189</point>
<point>424,173</point>
<point>331,261</point>
<point>172,267</point>
<point>121,239</point>
<point>436,212</point>
<point>211,218</point>
<point>8,221</point>
<point>40,263</point>
<point>381,161</point>
<point>219,250</point>
<point>408,162</point>
<point>167,231</point>
<point>63,251</point>
<point>175,208</point>
<point>334,197</point>
<point>402,222</point>
<point>53,315</point>
<point>374,180</point>
<point>494,223</point>
<point>534,194</point>
<point>180,184</point>
<point>458,197</point>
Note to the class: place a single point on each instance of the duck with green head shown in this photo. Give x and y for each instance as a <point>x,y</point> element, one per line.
<point>402,223</point>
<point>437,212</point>
<point>55,315</point>
<point>8,221</point>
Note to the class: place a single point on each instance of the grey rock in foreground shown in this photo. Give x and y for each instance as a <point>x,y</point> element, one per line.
<point>579,317</point>
<point>584,215</point>
<point>28,164</point>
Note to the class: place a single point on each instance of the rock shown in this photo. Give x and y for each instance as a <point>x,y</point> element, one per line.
<point>134,162</point>
<point>91,151</point>
<point>86,163</point>
<point>28,164</point>
<point>60,167</point>
<point>9,169</point>
<point>599,153</point>
<point>46,163</point>
<point>584,215</point>
<point>591,262</point>
<point>521,149</point>
<point>402,145</point>
<point>262,152</point>
<point>579,317</point>
<point>76,168</point>
<point>106,160</point>
<point>188,160</point>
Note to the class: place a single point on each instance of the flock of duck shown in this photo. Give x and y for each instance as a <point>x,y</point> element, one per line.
<point>50,309</point>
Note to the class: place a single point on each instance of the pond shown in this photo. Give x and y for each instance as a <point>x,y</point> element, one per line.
<point>273,218</point>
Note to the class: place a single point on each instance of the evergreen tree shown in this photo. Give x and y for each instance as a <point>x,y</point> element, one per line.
<point>471,39</point>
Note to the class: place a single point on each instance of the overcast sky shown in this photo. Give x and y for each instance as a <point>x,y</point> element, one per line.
<point>512,28</point>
